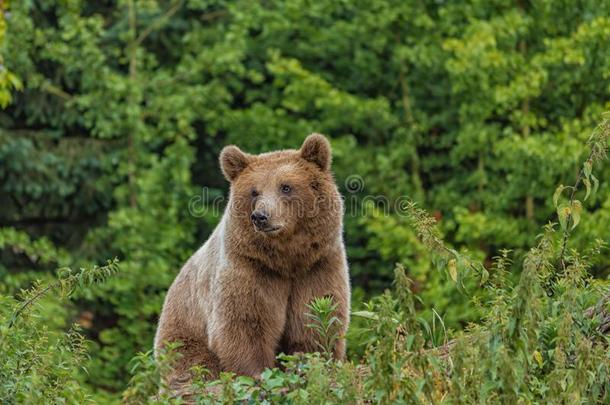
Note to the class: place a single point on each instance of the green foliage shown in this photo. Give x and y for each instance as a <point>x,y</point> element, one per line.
<point>114,113</point>
<point>146,383</point>
<point>41,365</point>
<point>540,340</point>
<point>8,80</point>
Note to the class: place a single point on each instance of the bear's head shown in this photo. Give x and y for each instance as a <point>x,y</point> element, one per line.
<point>283,196</point>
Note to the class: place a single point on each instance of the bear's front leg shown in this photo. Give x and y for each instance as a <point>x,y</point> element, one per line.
<point>248,316</point>
<point>328,278</point>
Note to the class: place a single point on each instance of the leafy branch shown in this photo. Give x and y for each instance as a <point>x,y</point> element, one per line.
<point>425,228</point>
<point>65,284</point>
<point>569,214</point>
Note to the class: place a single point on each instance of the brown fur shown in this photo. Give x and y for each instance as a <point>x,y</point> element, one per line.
<point>241,298</point>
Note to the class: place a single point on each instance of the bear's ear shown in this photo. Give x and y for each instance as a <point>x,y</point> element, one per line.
<point>233,161</point>
<point>316,149</point>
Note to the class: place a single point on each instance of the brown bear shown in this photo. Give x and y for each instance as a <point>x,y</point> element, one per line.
<point>242,297</point>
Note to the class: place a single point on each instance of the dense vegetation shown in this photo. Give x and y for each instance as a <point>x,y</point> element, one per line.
<point>114,114</point>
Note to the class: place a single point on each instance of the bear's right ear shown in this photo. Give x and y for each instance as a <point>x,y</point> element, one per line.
<point>316,149</point>
<point>233,161</point>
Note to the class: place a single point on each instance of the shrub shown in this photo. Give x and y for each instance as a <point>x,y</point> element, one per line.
<point>38,364</point>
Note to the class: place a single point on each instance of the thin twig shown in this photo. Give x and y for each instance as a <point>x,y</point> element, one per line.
<point>29,302</point>
<point>56,91</point>
<point>158,23</point>
<point>214,15</point>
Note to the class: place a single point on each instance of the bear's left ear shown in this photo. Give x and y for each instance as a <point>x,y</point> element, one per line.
<point>316,149</point>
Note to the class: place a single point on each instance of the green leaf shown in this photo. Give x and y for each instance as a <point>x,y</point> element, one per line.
<point>576,210</point>
<point>14,81</point>
<point>266,374</point>
<point>452,267</point>
<point>275,382</point>
<point>484,276</point>
<point>409,341</point>
<point>366,314</point>
<point>538,358</point>
<point>557,193</point>
<point>588,188</point>
<point>563,212</point>
<point>587,167</point>
<point>595,183</point>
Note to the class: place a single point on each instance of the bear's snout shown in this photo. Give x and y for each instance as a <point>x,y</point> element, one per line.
<point>262,223</point>
<point>260,219</point>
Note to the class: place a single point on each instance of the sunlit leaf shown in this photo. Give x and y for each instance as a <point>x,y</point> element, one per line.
<point>557,193</point>
<point>595,183</point>
<point>366,314</point>
<point>538,358</point>
<point>587,183</point>
<point>484,276</point>
<point>452,267</point>
<point>14,81</point>
<point>563,212</point>
<point>576,210</point>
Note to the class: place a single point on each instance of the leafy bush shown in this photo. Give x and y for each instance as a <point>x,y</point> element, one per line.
<point>41,365</point>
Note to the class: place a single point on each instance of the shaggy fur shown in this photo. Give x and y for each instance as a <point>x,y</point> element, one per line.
<point>241,298</point>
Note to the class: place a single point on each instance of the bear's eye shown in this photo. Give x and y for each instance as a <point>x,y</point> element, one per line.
<point>254,193</point>
<point>285,188</point>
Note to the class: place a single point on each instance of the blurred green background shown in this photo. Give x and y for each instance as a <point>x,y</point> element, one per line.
<point>115,112</point>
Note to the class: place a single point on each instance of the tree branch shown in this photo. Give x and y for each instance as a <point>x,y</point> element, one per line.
<point>158,23</point>
<point>56,91</point>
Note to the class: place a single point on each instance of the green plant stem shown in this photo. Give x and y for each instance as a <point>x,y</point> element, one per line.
<point>567,231</point>
<point>29,302</point>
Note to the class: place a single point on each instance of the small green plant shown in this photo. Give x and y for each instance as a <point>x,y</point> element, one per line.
<point>147,383</point>
<point>325,323</point>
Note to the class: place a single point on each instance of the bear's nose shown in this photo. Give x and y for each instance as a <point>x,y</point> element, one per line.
<point>259,218</point>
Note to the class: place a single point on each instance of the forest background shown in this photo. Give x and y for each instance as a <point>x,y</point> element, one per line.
<point>114,113</point>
